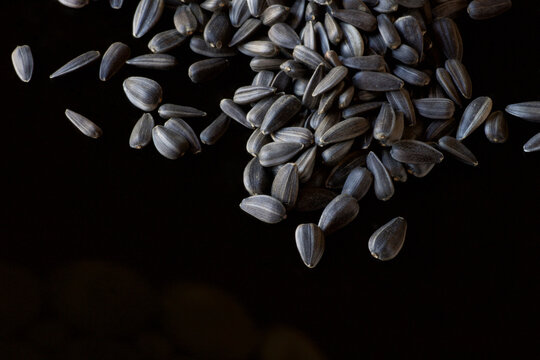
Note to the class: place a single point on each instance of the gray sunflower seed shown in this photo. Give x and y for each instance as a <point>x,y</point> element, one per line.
<point>457,150</point>
<point>169,143</point>
<point>285,185</point>
<point>386,126</point>
<point>449,8</point>
<point>74,4</point>
<point>144,93</point>
<point>167,111</point>
<point>322,37</point>
<point>353,39</point>
<point>365,140</point>
<point>184,21</point>
<point>526,110</point>
<point>461,77</point>
<point>386,242</point>
<point>260,64</point>
<point>333,58</point>
<point>448,36</point>
<point>533,144</point>
<point>386,6</point>
<point>235,112</point>
<point>435,108</point>
<point>486,9</point>
<point>328,120</point>
<point>376,44</point>
<point>334,77</point>
<point>281,81</point>
<point>141,134</point>
<point>310,244</point>
<point>84,125</point>
<point>406,54</point>
<point>146,16</point>
<point>415,152</point>
<point>249,94</point>
<point>440,128</point>
<point>419,170</point>
<point>335,153</point>
<point>256,7</point>
<point>333,30</point>
<point>310,58</point>
<point>313,199</point>
<point>359,109</point>
<point>346,97</point>
<point>213,5</point>
<point>296,13</point>
<point>199,46</point>
<point>411,75</point>
<point>217,128</point>
<point>496,128</point>
<point>388,31</point>
<point>179,126</point>
<point>337,177</point>
<point>293,134</point>
<point>308,36</point>
<point>306,164</point>
<point>338,213</point>
<point>77,63</point>
<point>410,31</point>
<point>315,119</point>
<point>396,169</point>
<point>376,81</point>
<point>218,29</point>
<point>445,81</point>
<point>366,63</point>
<point>256,141</point>
<point>256,179</point>
<point>283,35</point>
<point>114,58</point>
<point>280,112</point>
<point>294,69</point>
<point>358,183</point>
<point>256,115</point>
<point>401,101</point>
<point>239,12</point>
<point>165,41</point>
<point>382,182</point>
<point>259,48</point>
<point>263,78</point>
<point>199,14</point>
<point>328,98</point>
<point>23,62</point>
<point>411,4</point>
<point>345,130</point>
<point>116,4</point>
<point>395,131</point>
<point>274,14</point>
<point>473,116</point>
<point>277,153</point>
<point>312,11</point>
<point>248,29</point>
<point>153,61</point>
<point>308,100</point>
<point>207,69</point>
<point>358,18</point>
<point>264,208</point>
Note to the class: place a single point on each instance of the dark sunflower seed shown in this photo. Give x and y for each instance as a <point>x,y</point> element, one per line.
<point>141,134</point>
<point>310,243</point>
<point>180,127</point>
<point>401,101</point>
<point>217,128</point>
<point>415,152</point>
<point>184,21</point>
<point>411,33</point>
<point>283,35</point>
<point>526,110</point>
<point>334,77</point>
<point>533,144</point>
<point>386,6</point>
<point>419,170</point>
<point>285,185</point>
<point>263,78</point>
<point>411,75</point>
<point>277,153</point>
<point>294,69</point>
<point>83,124</point>
<point>77,63</point>
<point>239,12</point>
<point>274,14</point>
<point>473,116</point>
<point>306,164</point>
<point>308,36</point>
<point>376,81</point>
<point>256,141</point>
<point>249,94</point>
<point>218,29</point>
<point>259,48</point>
<point>144,93</point>
<point>396,169</point>
<point>308,100</point>
<point>496,128</point>
<point>235,112</point>
<point>208,69</point>
<point>23,62</point>
<point>248,29</point>
<point>264,208</point>
<point>147,14</point>
<point>328,120</point>
<point>382,182</point>
<point>213,5</point>
<point>359,109</point>
<point>449,8</point>
<point>280,112</point>
<point>345,130</point>
<point>116,4</point>
<point>346,97</point>
<point>406,54</point>
<point>154,61</point>
<point>261,64</point>
<point>256,179</point>
<point>358,183</point>
<point>333,30</point>
<point>358,18</point>
<point>435,108</point>
<point>353,40</point>
<point>457,150</point>
<point>460,76</point>
<point>335,153</point>
<point>337,177</point>
<point>486,9</point>
<point>445,81</point>
<point>168,143</point>
<point>74,4</point>
<point>199,46</point>
<point>328,98</point>
<point>388,31</point>
<point>338,213</point>
<point>293,134</point>
<point>309,57</point>
<point>167,111</point>
<point>256,7</point>
<point>114,58</point>
<point>166,41</point>
<point>386,242</point>
<point>256,115</point>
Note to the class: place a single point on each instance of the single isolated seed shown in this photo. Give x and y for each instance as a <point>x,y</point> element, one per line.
<point>144,93</point>
<point>310,243</point>
<point>474,115</point>
<point>338,213</point>
<point>386,242</point>
<point>169,143</point>
<point>264,208</point>
<point>526,110</point>
<point>141,134</point>
<point>23,62</point>
<point>114,58</point>
<point>167,111</point>
<point>533,144</point>
<point>84,125</point>
<point>77,63</point>
<point>74,4</point>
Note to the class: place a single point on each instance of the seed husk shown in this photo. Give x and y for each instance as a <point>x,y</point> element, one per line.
<point>447,35</point>
<point>74,4</point>
<point>252,93</point>
<point>154,61</point>
<point>256,7</point>
<point>256,141</point>
<point>460,76</point>
<point>306,164</point>
<point>246,31</point>
<point>217,128</point>
<point>335,153</point>
<point>344,130</point>
<point>367,63</point>
<point>376,81</point>
<point>277,153</point>
<point>264,208</point>
<point>283,35</point>
<point>259,48</point>
<point>285,185</point>
<point>386,242</point>
<point>309,57</point>
<point>263,78</point>
<point>496,128</point>
<point>382,182</point>
<point>354,41</point>
<point>213,5</point>
<point>411,33</point>
<point>415,152</point>
<point>207,69</point>
<point>474,115</point>
<point>388,31</point>
<point>239,12</point>
<point>487,9</point>
<point>23,62</point>
<point>385,122</point>
<point>357,18</point>
<point>116,4</point>
<point>77,63</point>
<point>280,112</point>
<point>84,125</point>
<point>256,179</point>
<point>199,46</point>
<point>341,211</point>
<point>358,183</point>
<point>411,4</point>
<point>333,30</point>
<point>359,109</point>
<point>184,20</point>
<point>396,169</point>
<point>308,36</point>
<point>169,143</point>
<point>328,98</point>
<point>310,243</point>
<point>256,115</point>
<point>346,97</point>
<point>144,93</point>
<point>328,120</point>
<point>533,144</point>
<point>457,150</point>
<point>334,77</point>
<point>293,134</point>
<point>308,100</point>
<point>167,111</point>
<point>147,14</point>
<point>411,75</point>
<point>114,58</point>
<point>401,101</point>
<point>435,108</point>
<point>281,81</point>
<point>179,126</point>
<point>445,81</point>
<point>406,54</point>
<point>526,110</point>
<point>439,128</point>
<point>141,134</point>
<point>274,14</point>
<point>218,29</point>
<point>294,69</point>
<point>235,112</point>
<point>165,41</point>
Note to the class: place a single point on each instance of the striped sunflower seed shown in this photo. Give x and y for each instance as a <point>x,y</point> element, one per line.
<point>281,81</point>
<point>376,81</point>
<point>306,164</point>
<point>382,182</point>
<point>396,169</point>
<point>169,143</point>
<point>445,81</point>
<point>334,77</point>
<point>411,4</point>
<point>359,109</point>
<point>256,7</point>
<point>457,150</point>
<point>486,9</point>
<point>353,40</point>
<point>144,93</point>
<point>77,63</point>
<point>335,153</point>
<point>346,97</point>
<point>328,120</point>
<point>207,69</point>
<point>167,111</point>
<point>199,46</point>
<point>74,4</point>
<point>367,63</point>
<point>294,69</point>
<point>283,35</point>
<point>180,127</point>
<point>411,75</point>
<point>449,8</point>
<point>218,29</point>
<point>386,242</point>
<point>406,54</point>
<point>166,41</point>
<point>293,134</point>
<point>341,211</point>
<point>277,153</point>
<point>249,94</point>
<point>388,31</point>
<point>410,32</point>
<point>435,108</point>
<point>328,98</point>
<point>386,6</point>
<point>235,112</point>
<point>213,5</point>
<point>333,30</point>
<point>264,208</point>
<point>440,128</point>
<point>401,101</point>
<point>141,134</point>
<point>259,48</point>
<point>256,141</point>
<point>526,110</point>
<point>285,185</point>
<point>84,125</point>
<point>474,115</point>
<point>308,100</point>
<point>246,31</point>
<point>309,57</point>
<point>308,36</point>
<point>274,14</point>
<point>23,62</point>
<point>154,61</point>
<point>344,130</point>
<point>256,179</point>
<point>496,128</point>
<point>184,20</point>
<point>280,112</point>
<point>533,144</point>
<point>358,183</point>
<point>147,14</point>
<point>310,243</point>
<point>256,115</point>
<point>415,152</point>
<point>357,18</point>
<point>217,128</point>
<point>114,58</point>
<point>460,76</point>
<point>263,78</point>
<point>239,12</point>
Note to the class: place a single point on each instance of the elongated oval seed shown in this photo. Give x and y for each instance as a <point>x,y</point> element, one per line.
<point>396,169</point>
<point>376,81</point>
<point>285,185</point>
<point>252,93</point>
<point>293,134</point>
<point>277,153</point>
<point>199,46</point>
<point>388,31</point>
<point>23,62</point>
<point>281,111</point>
<point>410,32</point>
<point>169,143</point>
<point>533,144</point>
<point>382,182</point>
<point>84,125</point>
<point>217,31</point>
<point>447,35</point>
<point>308,100</point>
<point>415,152</point>
<point>259,48</point>
<point>283,36</point>
<point>116,4</point>
<point>335,153</point>
<point>74,4</point>
<point>114,58</point>
<point>235,112</point>
<point>334,77</point>
<point>526,110</point>
<point>309,57</point>
<point>386,242</point>
<point>486,9</point>
<point>310,243</point>
<point>445,80</point>
<point>207,69</point>
<point>474,115</point>
<point>353,40</point>
<point>246,31</point>
<point>167,111</point>
<point>496,128</point>
<point>358,183</point>
<point>385,122</point>
<point>306,164</point>
<point>411,75</point>
<point>144,93</point>
<point>457,150</point>
<point>401,101</point>
<point>217,128</point>
<point>141,134</point>
<point>256,179</point>
<point>366,63</point>
<point>338,213</point>
<point>264,208</point>
<point>344,130</point>
<point>406,54</point>
<point>435,108</point>
<point>165,41</point>
<point>357,18</point>
<point>147,14</point>
<point>179,126</point>
<point>77,63</point>
<point>154,61</point>
<point>460,76</point>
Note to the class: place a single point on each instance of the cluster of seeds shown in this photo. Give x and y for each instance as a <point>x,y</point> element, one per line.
<point>348,95</point>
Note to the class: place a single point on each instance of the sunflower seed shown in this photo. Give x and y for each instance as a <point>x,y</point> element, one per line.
<point>274,14</point>
<point>406,54</point>
<point>308,36</point>
<point>199,46</point>
<point>144,93</point>
<point>235,112</point>
<point>346,97</point>
<point>388,126</point>
<point>376,81</point>
<point>277,153</point>
<point>358,183</point>
<point>461,77</point>
<point>401,101</point>
<point>386,242</point>
<point>411,75</point>
<point>435,108</point>
<point>496,128</point>
<point>280,112</point>
<point>116,4</point>
<point>396,169</point>
<point>299,87</point>
<point>411,33</point>
<point>264,208</point>
<point>341,211</point>
<point>256,141</point>
<point>313,199</point>
<point>23,62</point>
<point>440,128</point>
<point>310,244</point>
<point>293,134</point>
<point>146,16</point>
<point>207,69</point>
<point>388,32</point>
<point>256,179</point>
<point>256,7</point>
<point>449,8</point>
<point>448,36</point>
<point>474,115</point>
<point>328,120</point>
<point>445,81</point>
<point>213,5</point>
<point>285,185</point>
<point>263,78</point>
<point>141,134</point>
<point>218,29</point>
<point>386,6</point>
<point>310,58</point>
<point>353,39</point>
<point>334,77</point>
<point>84,125</point>
<point>180,127</point>
<point>169,143</point>
<point>338,175</point>
<point>457,150</point>
<point>200,15</point>
<point>415,152</point>
<point>335,34</point>
<point>526,110</point>
<point>165,41</point>
<point>77,63</point>
<point>322,37</point>
<point>74,4</point>
<point>486,9</point>
<point>294,69</point>
<point>239,12</point>
<point>533,144</point>
<point>360,109</point>
<point>217,128</point>
<point>308,100</point>
<point>366,63</point>
<point>154,61</point>
<point>344,130</point>
<point>184,21</point>
<point>419,170</point>
<point>281,81</point>
<point>335,153</point>
<point>114,58</point>
<point>376,44</point>
<point>382,182</point>
<point>358,18</point>
<point>283,35</point>
<point>167,111</point>
<point>249,28</point>
<point>259,48</point>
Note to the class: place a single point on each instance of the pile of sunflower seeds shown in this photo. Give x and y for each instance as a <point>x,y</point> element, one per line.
<point>348,95</point>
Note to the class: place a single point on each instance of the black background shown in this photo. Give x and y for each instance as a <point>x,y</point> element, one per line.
<point>97,238</point>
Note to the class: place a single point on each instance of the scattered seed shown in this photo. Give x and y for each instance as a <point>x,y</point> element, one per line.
<point>387,241</point>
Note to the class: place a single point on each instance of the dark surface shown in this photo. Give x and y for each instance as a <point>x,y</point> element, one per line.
<point>135,224</point>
